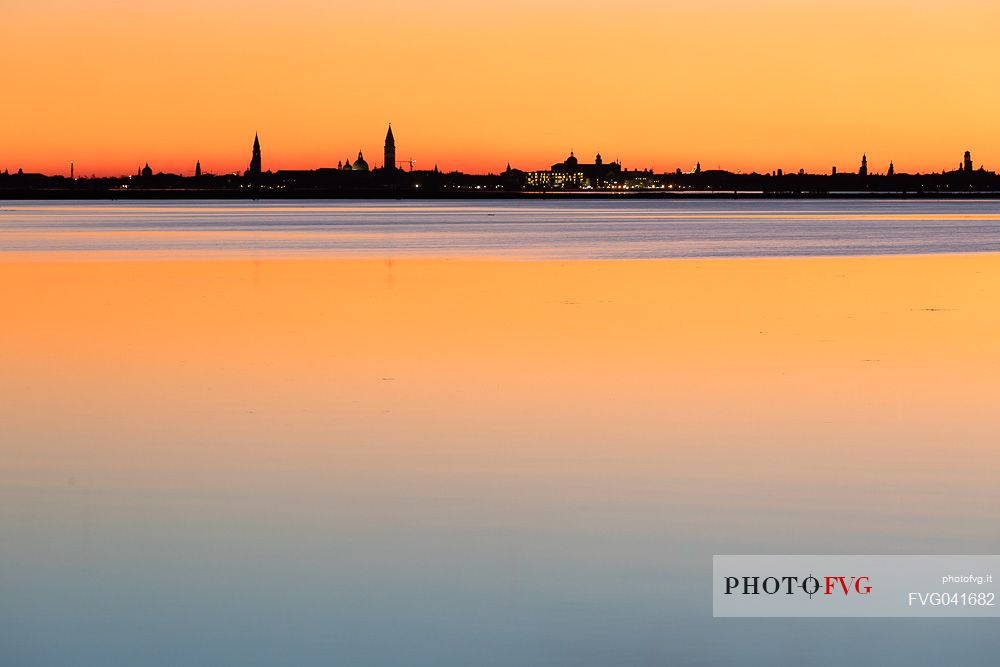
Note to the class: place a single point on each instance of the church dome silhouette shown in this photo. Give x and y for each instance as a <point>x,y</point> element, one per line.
<point>360,164</point>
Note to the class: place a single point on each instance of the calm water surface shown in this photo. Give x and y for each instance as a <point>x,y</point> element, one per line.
<point>369,434</point>
<point>536,229</point>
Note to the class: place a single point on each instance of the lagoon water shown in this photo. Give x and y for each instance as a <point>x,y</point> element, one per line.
<point>452,433</point>
<point>568,229</point>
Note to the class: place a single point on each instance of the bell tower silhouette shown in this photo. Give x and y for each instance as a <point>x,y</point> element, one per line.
<point>389,162</point>
<point>255,162</point>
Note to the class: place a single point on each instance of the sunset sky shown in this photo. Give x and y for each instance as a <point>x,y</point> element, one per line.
<point>473,85</point>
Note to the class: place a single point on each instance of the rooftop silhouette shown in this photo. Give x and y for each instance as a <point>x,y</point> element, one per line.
<point>358,178</point>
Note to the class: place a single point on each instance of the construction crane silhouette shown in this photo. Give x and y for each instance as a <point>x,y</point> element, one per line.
<point>409,163</point>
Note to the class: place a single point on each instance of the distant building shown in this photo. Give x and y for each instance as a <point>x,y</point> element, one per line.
<point>637,179</point>
<point>390,150</point>
<point>892,170</point>
<point>255,161</point>
<point>197,168</point>
<point>968,162</point>
<point>571,174</point>
<point>146,171</point>
<point>863,171</point>
<point>360,164</point>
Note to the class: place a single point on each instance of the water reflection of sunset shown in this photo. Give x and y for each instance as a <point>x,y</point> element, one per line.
<point>507,445</point>
<point>811,377</point>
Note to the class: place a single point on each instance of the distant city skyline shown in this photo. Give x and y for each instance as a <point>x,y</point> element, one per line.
<point>577,171</point>
<point>397,178</point>
<point>745,86</point>
<point>387,152</point>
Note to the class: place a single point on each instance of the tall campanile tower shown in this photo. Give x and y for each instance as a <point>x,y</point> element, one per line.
<point>390,150</point>
<point>255,162</point>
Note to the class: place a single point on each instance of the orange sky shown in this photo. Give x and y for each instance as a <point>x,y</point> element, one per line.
<point>661,84</point>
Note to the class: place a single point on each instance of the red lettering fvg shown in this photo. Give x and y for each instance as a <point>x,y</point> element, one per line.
<point>847,585</point>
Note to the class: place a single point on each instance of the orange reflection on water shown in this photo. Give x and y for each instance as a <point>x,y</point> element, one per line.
<point>698,395</point>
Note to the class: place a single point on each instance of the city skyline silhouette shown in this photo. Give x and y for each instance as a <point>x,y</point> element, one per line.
<point>399,178</point>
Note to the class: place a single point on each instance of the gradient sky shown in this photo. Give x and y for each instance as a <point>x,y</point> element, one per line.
<point>655,83</point>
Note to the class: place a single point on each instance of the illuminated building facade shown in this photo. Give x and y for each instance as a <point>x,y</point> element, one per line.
<point>571,174</point>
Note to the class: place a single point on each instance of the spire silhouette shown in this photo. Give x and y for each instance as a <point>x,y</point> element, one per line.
<point>389,158</point>
<point>255,160</point>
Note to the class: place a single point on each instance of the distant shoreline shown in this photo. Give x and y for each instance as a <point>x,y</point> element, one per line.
<point>243,195</point>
